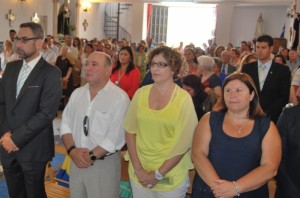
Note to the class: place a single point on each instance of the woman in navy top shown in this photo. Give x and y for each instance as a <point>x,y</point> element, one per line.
<point>236,150</point>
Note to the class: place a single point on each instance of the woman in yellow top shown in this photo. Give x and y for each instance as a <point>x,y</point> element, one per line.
<point>159,126</point>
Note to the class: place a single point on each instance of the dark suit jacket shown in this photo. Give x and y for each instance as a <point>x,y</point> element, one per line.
<point>288,176</point>
<point>29,117</point>
<point>230,69</point>
<point>276,91</point>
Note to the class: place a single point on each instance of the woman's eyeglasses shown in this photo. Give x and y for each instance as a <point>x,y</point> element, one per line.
<point>86,125</point>
<point>158,64</point>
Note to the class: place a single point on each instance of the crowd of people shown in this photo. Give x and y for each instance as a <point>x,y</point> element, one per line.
<point>219,110</point>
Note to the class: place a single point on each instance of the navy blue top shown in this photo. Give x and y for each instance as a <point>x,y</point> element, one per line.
<point>233,157</point>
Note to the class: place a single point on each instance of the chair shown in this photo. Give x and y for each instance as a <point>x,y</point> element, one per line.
<point>53,189</point>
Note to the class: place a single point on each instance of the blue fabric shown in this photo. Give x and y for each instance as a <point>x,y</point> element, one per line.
<point>63,175</point>
<point>3,189</point>
<point>222,77</point>
<point>64,171</point>
<point>57,160</point>
<point>233,157</point>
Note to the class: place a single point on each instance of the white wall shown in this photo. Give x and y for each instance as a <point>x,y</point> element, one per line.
<point>234,23</point>
<point>24,11</point>
<point>95,19</point>
<point>224,23</point>
<point>139,22</point>
<point>243,22</point>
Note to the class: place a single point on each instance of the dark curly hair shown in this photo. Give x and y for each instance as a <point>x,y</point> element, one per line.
<point>172,56</point>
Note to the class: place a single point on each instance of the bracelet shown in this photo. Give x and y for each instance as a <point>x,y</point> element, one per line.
<point>136,170</point>
<point>70,149</point>
<point>236,189</point>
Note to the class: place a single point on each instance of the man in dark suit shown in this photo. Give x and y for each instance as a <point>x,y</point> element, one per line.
<point>30,92</point>
<point>288,176</point>
<point>227,68</point>
<point>271,79</point>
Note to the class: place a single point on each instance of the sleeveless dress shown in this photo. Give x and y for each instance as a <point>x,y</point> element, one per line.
<point>233,157</point>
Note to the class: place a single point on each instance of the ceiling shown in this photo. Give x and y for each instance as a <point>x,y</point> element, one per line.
<point>237,2</point>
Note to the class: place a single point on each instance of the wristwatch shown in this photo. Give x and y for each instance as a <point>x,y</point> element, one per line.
<point>158,175</point>
<point>92,156</point>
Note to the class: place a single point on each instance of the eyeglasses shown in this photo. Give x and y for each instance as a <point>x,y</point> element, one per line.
<point>158,64</point>
<point>86,125</point>
<point>25,39</point>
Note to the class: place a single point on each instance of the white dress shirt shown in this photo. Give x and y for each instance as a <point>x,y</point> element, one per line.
<point>105,112</point>
<point>296,78</point>
<point>268,66</point>
<point>49,56</point>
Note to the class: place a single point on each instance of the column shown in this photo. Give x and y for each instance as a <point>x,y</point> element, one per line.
<point>55,12</point>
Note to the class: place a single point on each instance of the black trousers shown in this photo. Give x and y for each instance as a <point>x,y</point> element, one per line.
<point>24,179</point>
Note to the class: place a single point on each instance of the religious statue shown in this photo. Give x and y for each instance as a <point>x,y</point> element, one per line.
<point>35,18</point>
<point>259,26</point>
<point>64,14</point>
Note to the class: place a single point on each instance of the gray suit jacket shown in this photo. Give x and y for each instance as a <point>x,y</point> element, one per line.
<point>29,117</point>
<point>230,69</point>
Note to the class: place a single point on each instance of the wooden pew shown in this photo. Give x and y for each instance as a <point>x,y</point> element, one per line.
<point>53,190</point>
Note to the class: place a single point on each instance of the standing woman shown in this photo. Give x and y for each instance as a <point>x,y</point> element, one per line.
<point>235,57</point>
<point>140,58</point>
<point>63,63</point>
<point>235,150</point>
<point>77,45</point>
<point>87,51</point>
<point>8,54</point>
<point>190,64</point>
<point>210,80</point>
<point>159,126</point>
<point>125,74</point>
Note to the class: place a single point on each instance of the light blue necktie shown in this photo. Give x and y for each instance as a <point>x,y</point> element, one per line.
<point>22,77</point>
<point>262,75</point>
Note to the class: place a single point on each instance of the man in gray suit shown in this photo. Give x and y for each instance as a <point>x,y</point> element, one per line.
<point>30,92</point>
<point>227,68</point>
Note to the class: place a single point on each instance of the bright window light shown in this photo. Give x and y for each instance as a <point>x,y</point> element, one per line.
<point>191,24</point>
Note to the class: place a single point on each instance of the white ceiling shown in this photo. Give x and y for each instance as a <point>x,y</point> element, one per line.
<point>237,2</point>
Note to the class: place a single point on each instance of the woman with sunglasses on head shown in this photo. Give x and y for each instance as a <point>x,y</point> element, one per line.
<point>159,126</point>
